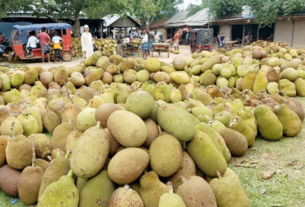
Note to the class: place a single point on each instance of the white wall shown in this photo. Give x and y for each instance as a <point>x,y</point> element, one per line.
<point>283,31</point>
<point>226,30</point>
<point>299,34</point>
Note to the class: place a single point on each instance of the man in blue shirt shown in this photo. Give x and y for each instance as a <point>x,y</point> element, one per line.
<point>135,34</point>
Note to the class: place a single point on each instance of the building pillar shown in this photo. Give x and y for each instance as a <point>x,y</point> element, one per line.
<point>244,30</point>
<point>292,36</point>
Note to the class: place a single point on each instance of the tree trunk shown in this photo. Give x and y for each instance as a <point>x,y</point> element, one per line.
<point>76,26</point>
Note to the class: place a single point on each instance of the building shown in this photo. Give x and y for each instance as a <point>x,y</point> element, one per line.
<point>158,26</point>
<point>174,23</point>
<point>289,29</point>
<point>114,24</point>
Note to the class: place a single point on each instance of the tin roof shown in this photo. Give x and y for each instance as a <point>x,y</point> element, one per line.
<point>112,18</point>
<point>158,23</point>
<point>175,21</point>
<point>199,19</point>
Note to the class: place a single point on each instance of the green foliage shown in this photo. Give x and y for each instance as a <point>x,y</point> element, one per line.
<point>222,8</point>
<point>193,9</point>
<point>151,10</point>
<point>267,10</point>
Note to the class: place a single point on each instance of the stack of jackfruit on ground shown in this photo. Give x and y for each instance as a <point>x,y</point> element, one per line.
<point>106,46</point>
<point>273,69</point>
<point>139,133</point>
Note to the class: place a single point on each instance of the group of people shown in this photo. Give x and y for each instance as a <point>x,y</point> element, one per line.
<point>43,41</point>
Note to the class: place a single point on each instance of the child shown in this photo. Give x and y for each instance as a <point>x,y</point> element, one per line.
<point>57,40</point>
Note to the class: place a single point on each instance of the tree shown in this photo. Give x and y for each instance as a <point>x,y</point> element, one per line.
<point>266,11</point>
<point>151,10</point>
<point>222,8</point>
<point>193,9</point>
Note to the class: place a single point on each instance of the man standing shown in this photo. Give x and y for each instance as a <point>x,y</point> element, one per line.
<point>176,40</point>
<point>135,34</point>
<point>149,41</point>
<point>44,43</point>
<point>87,43</point>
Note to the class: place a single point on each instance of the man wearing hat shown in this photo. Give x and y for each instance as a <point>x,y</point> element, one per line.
<point>87,42</point>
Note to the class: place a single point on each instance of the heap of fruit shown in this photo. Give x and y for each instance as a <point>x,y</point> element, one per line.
<point>137,41</point>
<point>172,50</point>
<point>106,46</point>
<point>122,128</point>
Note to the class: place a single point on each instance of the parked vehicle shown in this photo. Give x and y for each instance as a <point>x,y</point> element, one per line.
<point>201,39</point>
<point>18,44</point>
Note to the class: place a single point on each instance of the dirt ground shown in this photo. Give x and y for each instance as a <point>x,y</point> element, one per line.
<point>184,52</point>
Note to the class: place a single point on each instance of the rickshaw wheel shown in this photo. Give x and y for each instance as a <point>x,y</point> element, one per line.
<point>67,56</point>
<point>10,57</point>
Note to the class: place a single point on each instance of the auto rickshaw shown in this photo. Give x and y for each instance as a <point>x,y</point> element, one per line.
<point>18,41</point>
<point>201,39</point>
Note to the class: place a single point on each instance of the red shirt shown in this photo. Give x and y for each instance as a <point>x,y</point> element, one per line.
<point>176,38</point>
<point>44,38</point>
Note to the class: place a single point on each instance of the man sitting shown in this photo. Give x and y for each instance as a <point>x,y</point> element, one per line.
<point>2,47</point>
<point>32,44</point>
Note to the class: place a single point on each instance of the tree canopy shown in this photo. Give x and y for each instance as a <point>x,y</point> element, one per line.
<point>265,11</point>
<point>194,8</point>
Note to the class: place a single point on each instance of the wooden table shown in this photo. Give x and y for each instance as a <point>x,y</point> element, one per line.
<point>160,47</point>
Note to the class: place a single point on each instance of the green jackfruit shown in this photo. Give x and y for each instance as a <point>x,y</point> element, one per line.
<point>205,154</point>
<point>97,191</point>
<point>269,125</point>
<point>291,122</point>
<point>228,190</point>
<point>90,152</point>
<point>176,121</point>
<point>127,165</point>
<point>60,193</point>
<point>165,154</point>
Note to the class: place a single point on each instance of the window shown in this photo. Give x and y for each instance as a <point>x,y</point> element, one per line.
<point>64,32</point>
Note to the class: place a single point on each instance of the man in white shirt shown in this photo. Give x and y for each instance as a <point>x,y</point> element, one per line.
<point>32,44</point>
<point>156,37</point>
<point>87,42</point>
<point>145,45</point>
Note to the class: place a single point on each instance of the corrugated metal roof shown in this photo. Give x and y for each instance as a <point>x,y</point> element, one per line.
<point>158,23</point>
<point>176,19</point>
<point>198,19</point>
<point>110,19</point>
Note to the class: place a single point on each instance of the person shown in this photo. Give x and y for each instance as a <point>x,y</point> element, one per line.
<point>222,40</point>
<point>156,37</point>
<point>145,45</point>
<point>2,47</point>
<point>87,42</point>
<point>110,37</point>
<point>135,34</point>
<point>44,44</point>
<point>187,38</point>
<point>218,40</point>
<point>176,40</point>
<point>248,37</point>
<point>32,44</point>
<point>139,33</point>
<point>57,40</point>
<point>149,41</point>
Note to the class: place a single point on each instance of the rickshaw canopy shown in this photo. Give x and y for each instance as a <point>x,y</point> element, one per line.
<point>49,26</point>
